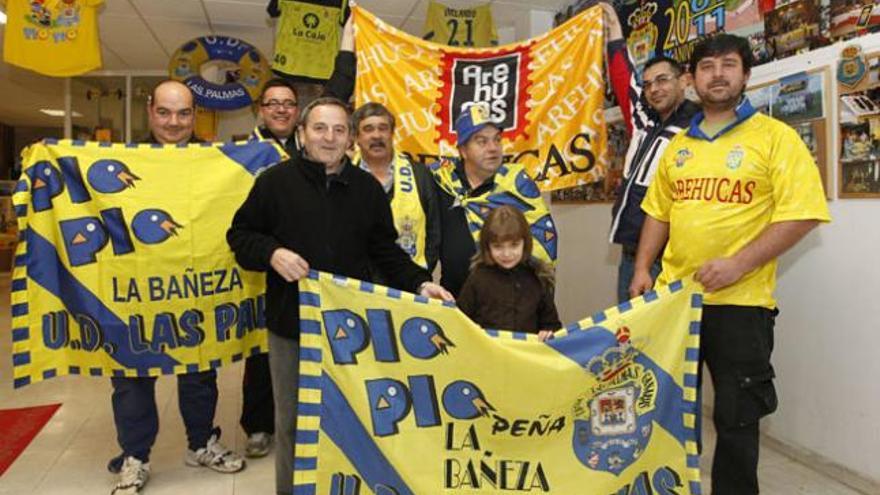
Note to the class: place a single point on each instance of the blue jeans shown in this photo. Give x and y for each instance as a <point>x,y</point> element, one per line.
<point>626,270</point>
<point>137,419</point>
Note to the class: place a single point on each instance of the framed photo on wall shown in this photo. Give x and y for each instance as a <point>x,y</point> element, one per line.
<point>859,135</point>
<point>793,28</point>
<point>800,101</point>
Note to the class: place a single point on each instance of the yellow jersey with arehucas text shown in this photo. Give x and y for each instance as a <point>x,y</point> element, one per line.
<point>53,37</point>
<point>719,194</point>
<point>467,27</point>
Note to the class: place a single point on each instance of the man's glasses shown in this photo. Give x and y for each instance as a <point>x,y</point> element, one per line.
<point>658,81</point>
<point>277,105</point>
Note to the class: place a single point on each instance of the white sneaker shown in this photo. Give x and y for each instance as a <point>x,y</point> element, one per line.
<point>216,456</point>
<point>258,444</point>
<point>132,477</point>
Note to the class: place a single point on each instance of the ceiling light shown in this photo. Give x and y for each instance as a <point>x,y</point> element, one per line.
<point>2,17</point>
<point>54,112</point>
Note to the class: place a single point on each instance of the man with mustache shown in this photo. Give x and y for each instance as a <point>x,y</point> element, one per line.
<point>409,187</point>
<point>731,194</point>
<point>315,211</point>
<point>171,115</point>
<point>654,112</point>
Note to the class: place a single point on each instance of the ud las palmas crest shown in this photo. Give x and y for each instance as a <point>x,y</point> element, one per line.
<point>852,66</point>
<point>613,422</point>
<point>643,36</point>
<point>735,157</point>
<point>682,156</point>
<point>407,239</point>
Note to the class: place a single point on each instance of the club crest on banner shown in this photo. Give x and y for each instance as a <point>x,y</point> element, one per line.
<point>643,35</point>
<point>613,427</point>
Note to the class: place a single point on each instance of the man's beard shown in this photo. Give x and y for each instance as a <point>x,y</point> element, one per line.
<point>726,103</point>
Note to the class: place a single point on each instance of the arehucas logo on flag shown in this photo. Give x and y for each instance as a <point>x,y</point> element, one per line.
<point>122,267</point>
<point>404,395</point>
<point>546,94</point>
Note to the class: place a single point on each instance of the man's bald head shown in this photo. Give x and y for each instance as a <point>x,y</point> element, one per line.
<point>171,113</point>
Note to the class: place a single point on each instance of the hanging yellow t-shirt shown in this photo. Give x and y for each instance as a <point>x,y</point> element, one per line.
<point>53,37</point>
<point>470,27</point>
<point>307,38</point>
<point>719,195</point>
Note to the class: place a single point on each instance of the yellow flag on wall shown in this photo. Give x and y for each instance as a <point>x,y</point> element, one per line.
<point>547,92</point>
<point>122,266</point>
<point>403,395</point>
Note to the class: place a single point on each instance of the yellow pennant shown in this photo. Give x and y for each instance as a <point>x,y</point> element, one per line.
<point>547,93</point>
<point>122,266</point>
<point>399,394</point>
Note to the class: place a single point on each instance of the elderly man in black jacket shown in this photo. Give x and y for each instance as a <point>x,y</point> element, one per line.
<point>279,107</point>
<point>315,211</point>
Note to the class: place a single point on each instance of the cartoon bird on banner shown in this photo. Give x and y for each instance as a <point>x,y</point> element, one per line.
<point>464,400</point>
<point>110,176</point>
<point>154,226</point>
<point>424,339</point>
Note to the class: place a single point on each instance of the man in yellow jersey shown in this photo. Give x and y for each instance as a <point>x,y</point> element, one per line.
<point>410,187</point>
<point>731,194</point>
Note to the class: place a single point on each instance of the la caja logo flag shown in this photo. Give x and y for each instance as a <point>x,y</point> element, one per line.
<point>403,395</point>
<point>122,266</point>
<point>546,93</point>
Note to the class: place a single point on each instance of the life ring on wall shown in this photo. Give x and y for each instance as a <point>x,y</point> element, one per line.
<point>244,70</point>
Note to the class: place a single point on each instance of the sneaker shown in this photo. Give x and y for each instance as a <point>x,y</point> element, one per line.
<point>133,475</point>
<point>258,444</point>
<point>216,456</point>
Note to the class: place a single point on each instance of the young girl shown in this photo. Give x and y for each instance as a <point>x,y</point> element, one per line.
<point>507,288</point>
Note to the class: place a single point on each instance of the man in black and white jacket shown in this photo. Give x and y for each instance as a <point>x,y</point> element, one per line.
<point>654,112</point>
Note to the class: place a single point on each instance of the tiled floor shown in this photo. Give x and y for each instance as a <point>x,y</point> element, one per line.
<point>69,456</point>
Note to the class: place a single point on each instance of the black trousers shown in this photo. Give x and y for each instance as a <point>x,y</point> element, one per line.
<point>258,406</point>
<point>736,343</point>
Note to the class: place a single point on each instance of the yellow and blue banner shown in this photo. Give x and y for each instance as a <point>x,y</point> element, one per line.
<point>546,94</point>
<point>399,394</point>
<point>122,266</point>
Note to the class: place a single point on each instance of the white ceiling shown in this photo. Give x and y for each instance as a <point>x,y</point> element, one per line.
<point>142,34</point>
